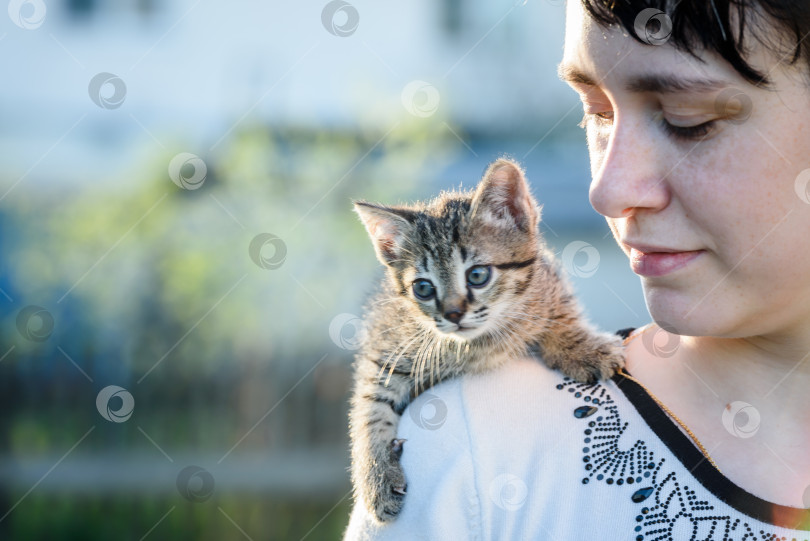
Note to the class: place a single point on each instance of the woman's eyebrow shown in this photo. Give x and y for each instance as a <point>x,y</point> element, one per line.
<point>570,74</point>
<point>660,83</point>
<point>664,84</point>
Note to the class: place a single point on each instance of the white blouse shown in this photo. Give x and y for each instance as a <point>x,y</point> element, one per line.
<point>524,453</point>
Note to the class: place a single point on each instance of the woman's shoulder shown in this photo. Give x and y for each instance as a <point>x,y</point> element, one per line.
<point>522,383</point>
<point>518,408</point>
<point>474,445</point>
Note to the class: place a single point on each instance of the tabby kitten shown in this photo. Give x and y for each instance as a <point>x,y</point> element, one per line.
<point>469,282</point>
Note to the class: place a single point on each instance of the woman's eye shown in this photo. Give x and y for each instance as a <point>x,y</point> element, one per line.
<point>697,131</point>
<point>605,117</point>
<point>424,289</point>
<point>478,276</point>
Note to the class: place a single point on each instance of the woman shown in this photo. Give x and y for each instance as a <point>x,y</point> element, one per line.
<point>698,128</point>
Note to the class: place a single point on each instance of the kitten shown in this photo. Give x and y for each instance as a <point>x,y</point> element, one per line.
<point>468,281</point>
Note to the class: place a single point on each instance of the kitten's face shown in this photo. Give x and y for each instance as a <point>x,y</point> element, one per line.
<point>453,294</point>
<point>461,288</point>
<point>464,260</point>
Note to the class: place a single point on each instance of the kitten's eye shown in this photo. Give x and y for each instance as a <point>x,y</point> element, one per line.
<point>424,289</point>
<point>478,276</point>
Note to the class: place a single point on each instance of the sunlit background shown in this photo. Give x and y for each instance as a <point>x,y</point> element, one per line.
<point>180,269</point>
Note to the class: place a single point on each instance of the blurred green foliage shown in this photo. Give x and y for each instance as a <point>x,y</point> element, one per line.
<point>151,287</point>
<point>147,260</point>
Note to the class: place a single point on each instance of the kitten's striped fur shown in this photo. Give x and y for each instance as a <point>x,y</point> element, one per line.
<point>411,344</point>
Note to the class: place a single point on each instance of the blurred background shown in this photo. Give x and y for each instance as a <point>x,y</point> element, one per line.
<point>181,273</point>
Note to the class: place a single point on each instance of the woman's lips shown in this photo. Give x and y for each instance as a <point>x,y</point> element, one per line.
<point>660,263</point>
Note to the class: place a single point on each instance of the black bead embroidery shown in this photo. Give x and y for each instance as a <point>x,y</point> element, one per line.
<point>666,503</point>
<point>584,411</point>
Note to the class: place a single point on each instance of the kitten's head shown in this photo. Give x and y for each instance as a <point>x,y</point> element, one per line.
<point>465,258</point>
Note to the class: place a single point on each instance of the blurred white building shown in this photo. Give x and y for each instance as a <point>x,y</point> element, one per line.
<point>194,71</point>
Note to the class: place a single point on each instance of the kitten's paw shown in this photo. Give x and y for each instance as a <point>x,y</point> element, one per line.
<point>388,480</point>
<point>603,361</point>
<point>595,360</point>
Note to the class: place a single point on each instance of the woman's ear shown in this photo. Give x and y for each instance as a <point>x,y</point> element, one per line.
<point>503,197</point>
<point>387,227</point>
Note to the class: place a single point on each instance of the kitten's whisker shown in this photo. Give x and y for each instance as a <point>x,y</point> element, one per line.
<point>385,301</point>
<point>534,317</point>
<point>387,360</point>
<point>531,318</point>
<point>394,365</point>
<point>418,359</point>
<point>389,329</point>
<point>518,318</point>
<point>512,347</point>
<point>513,339</point>
<point>436,350</point>
<point>427,358</point>
<point>420,372</point>
<point>500,335</point>
<point>400,350</point>
<point>426,364</point>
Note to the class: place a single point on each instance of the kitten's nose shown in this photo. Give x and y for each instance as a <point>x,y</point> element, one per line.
<point>454,316</point>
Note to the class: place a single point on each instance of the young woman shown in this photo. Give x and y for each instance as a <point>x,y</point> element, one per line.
<point>698,127</point>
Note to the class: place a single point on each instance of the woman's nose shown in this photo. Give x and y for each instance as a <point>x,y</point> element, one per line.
<point>631,173</point>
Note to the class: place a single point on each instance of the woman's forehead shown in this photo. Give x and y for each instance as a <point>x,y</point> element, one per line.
<point>606,55</point>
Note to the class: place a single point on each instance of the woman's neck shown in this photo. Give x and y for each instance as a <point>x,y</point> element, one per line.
<point>747,401</point>
<point>749,369</point>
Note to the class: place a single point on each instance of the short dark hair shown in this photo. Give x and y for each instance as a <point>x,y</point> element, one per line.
<point>697,25</point>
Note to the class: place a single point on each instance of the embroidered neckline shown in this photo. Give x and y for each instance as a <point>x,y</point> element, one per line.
<point>693,460</point>
<point>665,502</point>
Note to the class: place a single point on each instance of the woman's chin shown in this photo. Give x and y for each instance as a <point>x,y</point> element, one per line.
<point>678,312</point>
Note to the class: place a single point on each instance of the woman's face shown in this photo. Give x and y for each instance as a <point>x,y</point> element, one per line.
<point>698,174</point>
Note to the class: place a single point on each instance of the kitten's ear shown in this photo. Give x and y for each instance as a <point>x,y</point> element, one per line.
<point>503,197</point>
<point>387,228</point>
